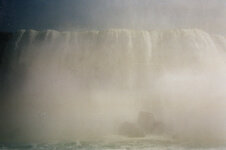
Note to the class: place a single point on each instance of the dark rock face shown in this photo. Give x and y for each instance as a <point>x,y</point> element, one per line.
<point>4,39</point>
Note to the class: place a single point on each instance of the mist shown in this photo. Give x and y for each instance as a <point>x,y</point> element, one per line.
<point>112,74</point>
<point>67,86</point>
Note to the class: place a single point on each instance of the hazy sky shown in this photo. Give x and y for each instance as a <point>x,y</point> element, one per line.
<point>97,14</point>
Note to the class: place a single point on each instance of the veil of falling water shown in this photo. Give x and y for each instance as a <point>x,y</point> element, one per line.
<point>80,85</point>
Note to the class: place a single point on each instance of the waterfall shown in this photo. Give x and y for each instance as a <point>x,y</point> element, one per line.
<point>111,54</point>
<point>88,81</point>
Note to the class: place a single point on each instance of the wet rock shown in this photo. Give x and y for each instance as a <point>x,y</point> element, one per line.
<point>130,130</point>
<point>146,121</point>
<point>146,124</point>
<point>149,124</point>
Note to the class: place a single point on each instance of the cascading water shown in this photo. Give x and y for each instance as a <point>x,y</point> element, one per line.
<point>74,85</point>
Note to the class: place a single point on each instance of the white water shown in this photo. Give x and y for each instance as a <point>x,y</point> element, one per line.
<point>76,85</point>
